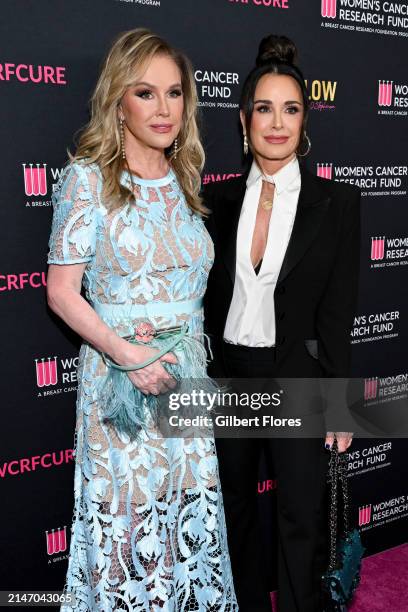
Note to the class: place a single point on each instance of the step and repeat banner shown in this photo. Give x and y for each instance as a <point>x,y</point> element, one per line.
<point>353,55</point>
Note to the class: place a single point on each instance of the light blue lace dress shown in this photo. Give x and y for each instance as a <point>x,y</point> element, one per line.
<point>148,530</point>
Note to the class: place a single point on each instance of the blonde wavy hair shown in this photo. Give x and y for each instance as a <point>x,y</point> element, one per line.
<point>99,140</point>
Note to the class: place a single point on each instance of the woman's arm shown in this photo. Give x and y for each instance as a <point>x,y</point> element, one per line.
<point>335,320</point>
<point>64,298</point>
<point>339,302</point>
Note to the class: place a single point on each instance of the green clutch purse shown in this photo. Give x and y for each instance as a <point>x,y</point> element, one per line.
<point>125,406</point>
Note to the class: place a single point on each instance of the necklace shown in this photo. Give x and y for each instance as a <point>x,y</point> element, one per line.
<point>267,204</point>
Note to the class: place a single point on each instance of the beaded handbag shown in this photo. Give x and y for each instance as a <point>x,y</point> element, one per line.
<point>343,574</point>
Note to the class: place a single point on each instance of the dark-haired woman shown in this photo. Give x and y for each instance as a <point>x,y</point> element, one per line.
<point>280,303</point>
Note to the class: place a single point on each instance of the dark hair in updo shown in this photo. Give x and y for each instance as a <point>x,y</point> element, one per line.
<point>276,49</point>
<point>276,55</point>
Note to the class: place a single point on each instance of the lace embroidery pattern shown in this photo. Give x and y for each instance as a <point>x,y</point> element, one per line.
<point>148,530</point>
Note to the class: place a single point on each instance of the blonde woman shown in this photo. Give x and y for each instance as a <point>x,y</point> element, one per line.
<point>148,530</point>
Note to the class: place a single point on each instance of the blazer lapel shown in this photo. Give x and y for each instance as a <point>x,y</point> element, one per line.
<point>228,213</point>
<point>312,206</point>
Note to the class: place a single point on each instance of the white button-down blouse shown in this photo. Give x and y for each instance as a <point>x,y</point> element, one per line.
<point>251,316</point>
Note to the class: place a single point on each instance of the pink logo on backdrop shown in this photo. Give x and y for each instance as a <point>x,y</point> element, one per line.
<point>19,281</point>
<point>364,515</point>
<point>35,179</point>
<point>377,248</point>
<point>370,388</point>
<point>16,467</point>
<point>329,8</point>
<point>56,540</point>
<point>385,93</point>
<point>215,178</point>
<point>46,371</point>
<point>325,170</point>
<point>267,485</point>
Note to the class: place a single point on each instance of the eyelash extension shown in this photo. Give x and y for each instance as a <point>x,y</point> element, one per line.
<point>146,92</point>
<point>264,107</point>
<point>143,93</point>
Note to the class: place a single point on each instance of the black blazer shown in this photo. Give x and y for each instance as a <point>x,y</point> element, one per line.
<point>316,293</point>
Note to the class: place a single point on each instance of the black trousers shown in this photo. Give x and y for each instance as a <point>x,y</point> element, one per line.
<point>300,466</point>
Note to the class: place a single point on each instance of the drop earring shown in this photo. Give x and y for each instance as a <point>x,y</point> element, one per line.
<point>122,138</point>
<point>246,147</point>
<point>309,146</point>
<point>175,148</point>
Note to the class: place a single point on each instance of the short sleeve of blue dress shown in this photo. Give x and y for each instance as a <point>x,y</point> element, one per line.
<point>149,529</point>
<point>73,232</point>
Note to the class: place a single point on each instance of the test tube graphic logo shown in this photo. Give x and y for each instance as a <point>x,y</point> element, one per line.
<point>56,540</point>
<point>329,8</point>
<point>35,179</point>
<point>370,388</point>
<point>364,515</point>
<point>325,170</point>
<point>46,372</point>
<point>377,248</point>
<point>385,93</point>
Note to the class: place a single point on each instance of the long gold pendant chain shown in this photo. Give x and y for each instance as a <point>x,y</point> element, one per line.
<point>267,204</point>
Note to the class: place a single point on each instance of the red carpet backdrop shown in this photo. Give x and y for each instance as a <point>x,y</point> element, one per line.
<point>353,54</point>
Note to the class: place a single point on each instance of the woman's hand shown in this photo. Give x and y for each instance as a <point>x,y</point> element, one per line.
<point>344,440</point>
<point>65,299</point>
<point>152,379</point>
